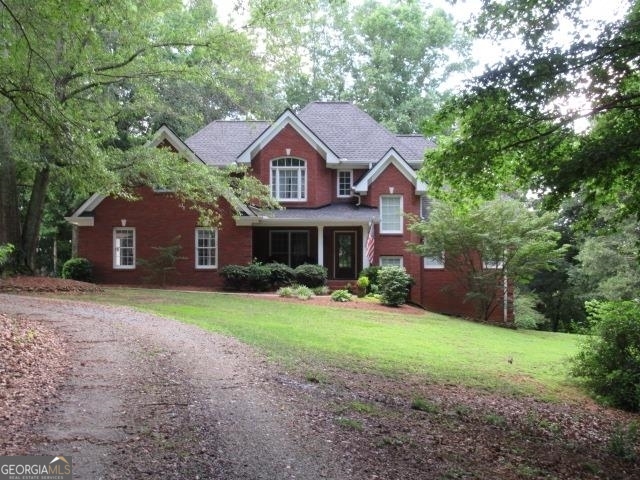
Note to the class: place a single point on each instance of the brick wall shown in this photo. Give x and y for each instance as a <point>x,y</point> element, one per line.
<point>159,218</point>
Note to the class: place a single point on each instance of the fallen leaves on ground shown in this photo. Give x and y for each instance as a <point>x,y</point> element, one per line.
<point>32,364</point>
<point>45,285</point>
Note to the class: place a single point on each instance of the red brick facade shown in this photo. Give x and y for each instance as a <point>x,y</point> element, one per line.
<point>158,218</point>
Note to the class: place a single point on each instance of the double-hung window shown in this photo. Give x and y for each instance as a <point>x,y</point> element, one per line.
<point>289,179</point>
<point>391,261</point>
<point>124,248</point>
<point>345,181</point>
<point>206,248</point>
<point>391,214</point>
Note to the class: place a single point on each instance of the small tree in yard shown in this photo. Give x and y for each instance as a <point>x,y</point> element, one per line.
<point>486,244</point>
<point>609,362</point>
<point>163,263</point>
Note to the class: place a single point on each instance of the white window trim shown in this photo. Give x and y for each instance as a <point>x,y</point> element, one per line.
<point>392,232</point>
<point>216,249</point>
<point>301,185</point>
<point>350,172</point>
<point>114,253</point>
<point>433,263</point>
<point>386,257</point>
<point>499,265</point>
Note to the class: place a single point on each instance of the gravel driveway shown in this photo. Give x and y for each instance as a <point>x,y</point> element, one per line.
<point>147,397</point>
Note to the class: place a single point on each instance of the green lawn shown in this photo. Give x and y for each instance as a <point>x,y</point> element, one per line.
<point>434,347</point>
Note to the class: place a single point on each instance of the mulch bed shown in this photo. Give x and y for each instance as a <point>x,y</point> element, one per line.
<point>46,285</point>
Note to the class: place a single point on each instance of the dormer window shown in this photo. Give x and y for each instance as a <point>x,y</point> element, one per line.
<point>345,182</point>
<point>289,179</point>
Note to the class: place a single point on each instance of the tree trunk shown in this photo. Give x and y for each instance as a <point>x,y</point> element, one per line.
<point>33,219</point>
<point>9,212</point>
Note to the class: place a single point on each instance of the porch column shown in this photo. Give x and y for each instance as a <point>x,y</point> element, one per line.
<point>321,245</point>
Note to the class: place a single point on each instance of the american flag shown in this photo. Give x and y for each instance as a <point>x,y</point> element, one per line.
<point>370,244</point>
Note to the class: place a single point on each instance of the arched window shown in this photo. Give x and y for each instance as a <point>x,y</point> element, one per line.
<point>289,179</point>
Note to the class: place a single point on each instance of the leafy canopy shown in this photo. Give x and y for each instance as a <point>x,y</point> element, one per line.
<point>481,245</point>
<point>515,125</point>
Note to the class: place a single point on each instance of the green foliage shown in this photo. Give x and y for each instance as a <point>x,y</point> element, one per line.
<point>280,274</point>
<point>341,296</point>
<point>298,291</point>
<point>371,273</point>
<point>235,277</point>
<point>79,269</point>
<point>424,405</point>
<point>363,282</point>
<point>608,267</point>
<point>623,441</point>
<point>485,242</point>
<point>609,362</point>
<point>5,253</point>
<point>322,290</point>
<point>395,283</point>
<point>163,263</point>
<point>526,314</point>
<point>311,275</point>
<point>256,276</point>
<point>506,129</point>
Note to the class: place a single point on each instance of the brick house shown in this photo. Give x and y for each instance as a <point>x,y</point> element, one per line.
<point>335,170</point>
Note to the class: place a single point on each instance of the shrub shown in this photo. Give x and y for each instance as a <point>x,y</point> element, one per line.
<point>78,269</point>
<point>258,277</point>
<point>526,315</point>
<point>341,296</point>
<point>235,277</point>
<point>303,293</point>
<point>286,291</point>
<point>394,284</point>
<point>609,362</point>
<point>5,251</point>
<point>299,291</point>
<point>323,290</point>
<point>363,285</point>
<point>280,275</point>
<point>372,274</point>
<point>311,275</point>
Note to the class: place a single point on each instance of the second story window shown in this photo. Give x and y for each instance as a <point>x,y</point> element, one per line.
<point>390,214</point>
<point>289,179</point>
<point>345,181</point>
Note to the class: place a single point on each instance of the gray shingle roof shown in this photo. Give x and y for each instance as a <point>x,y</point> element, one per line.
<point>348,131</point>
<point>220,142</point>
<point>355,136</point>
<point>334,212</point>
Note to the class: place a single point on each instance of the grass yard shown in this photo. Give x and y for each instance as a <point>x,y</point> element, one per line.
<point>429,346</point>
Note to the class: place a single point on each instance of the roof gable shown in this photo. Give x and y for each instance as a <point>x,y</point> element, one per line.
<point>165,134</point>
<point>222,141</point>
<point>392,157</point>
<point>288,118</point>
<point>356,137</point>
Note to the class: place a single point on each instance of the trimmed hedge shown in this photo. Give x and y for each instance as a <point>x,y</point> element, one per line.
<point>310,275</point>
<point>257,277</point>
<point>79,269</point>
<point>394,284</point>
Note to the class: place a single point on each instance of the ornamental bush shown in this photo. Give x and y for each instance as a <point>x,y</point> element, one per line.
<point>280,275</point>
<point>78,269</point>
<point>609,361</point>
<point>372,274</point>
<point>310,275</point>
<point>394,284</point>
<point>341,296</point>
<point>235,277</point>
<point>258,277</point>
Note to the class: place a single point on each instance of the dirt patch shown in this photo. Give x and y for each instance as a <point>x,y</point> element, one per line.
<point>28,284</point>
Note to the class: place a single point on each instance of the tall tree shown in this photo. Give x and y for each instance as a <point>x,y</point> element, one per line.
<point>390,60</point>
<point>484,245</point>
<point>515,125</point>
<point>403,55</point>
<point>75,79</point>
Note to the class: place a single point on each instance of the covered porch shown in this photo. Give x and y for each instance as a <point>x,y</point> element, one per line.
<point>334,236</point>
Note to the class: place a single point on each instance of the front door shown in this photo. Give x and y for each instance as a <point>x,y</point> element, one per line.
<point>344,245</point>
